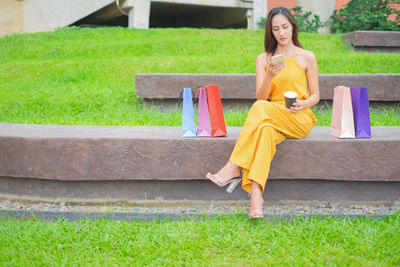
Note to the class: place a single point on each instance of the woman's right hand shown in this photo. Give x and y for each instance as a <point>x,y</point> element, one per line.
<point>265,71</point>
<point>275,69</point>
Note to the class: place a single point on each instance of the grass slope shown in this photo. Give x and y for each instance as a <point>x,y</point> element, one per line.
<point>86,76</point>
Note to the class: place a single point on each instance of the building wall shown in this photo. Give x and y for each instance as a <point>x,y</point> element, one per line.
<point>285,3</point>
<point>11,17</point>
<point>324,9</point>
<point>341,3</point>
<point>45,15</point>
<point>397,7</point>
<point>17,16</point>
<point>292,3</point>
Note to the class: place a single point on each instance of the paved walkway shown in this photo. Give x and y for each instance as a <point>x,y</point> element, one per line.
<point>120,211</point>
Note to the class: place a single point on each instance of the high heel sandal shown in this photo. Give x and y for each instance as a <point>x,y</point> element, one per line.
<point>256,213</point>
<point>232,182</point>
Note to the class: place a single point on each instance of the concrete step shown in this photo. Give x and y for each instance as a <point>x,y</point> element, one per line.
<point>239,89</point>
<point>374,41</point>
<point>141,162</point>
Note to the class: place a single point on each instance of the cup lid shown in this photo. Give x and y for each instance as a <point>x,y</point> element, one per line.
<point>290,94</point>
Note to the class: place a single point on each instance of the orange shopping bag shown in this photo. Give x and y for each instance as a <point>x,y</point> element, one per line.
<point>342,125</point>
<point>216,112</point>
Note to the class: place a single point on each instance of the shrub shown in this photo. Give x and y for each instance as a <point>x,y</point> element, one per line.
<point>369,15</point>
<point>302,19</point>
<point>304,22</point>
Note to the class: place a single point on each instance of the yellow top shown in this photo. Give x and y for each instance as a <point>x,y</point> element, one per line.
<point>291,78</point>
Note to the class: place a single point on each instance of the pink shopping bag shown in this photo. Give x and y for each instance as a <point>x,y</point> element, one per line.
<point>342,125</point>
<point>203,128</point>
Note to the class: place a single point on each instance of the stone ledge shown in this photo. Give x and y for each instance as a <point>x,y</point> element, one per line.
<point>236,89</point>
<point>177,192</point>
<point>94,153</point>
<point>373,41</point>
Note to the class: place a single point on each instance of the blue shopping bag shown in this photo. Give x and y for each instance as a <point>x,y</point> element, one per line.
<point>188,122</point>
<point>360,102</point>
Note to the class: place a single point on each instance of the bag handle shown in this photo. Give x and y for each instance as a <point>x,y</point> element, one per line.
<point>198,92</point>
<point>194,99</point>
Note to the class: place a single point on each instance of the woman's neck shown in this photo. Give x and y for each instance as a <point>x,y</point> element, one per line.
<point>286,50</point>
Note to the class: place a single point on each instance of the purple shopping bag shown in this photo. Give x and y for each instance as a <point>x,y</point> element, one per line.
<point>360,102</point>
<point>203,128</point>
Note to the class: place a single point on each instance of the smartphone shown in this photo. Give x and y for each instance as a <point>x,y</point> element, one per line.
<point>276,59</point>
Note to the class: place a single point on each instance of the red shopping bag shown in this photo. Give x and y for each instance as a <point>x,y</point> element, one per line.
<point>216,112</point>
<point>342,125</point>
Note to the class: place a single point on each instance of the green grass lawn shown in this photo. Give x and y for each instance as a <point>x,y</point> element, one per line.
<point>86,76</point>
<point>220,241</point>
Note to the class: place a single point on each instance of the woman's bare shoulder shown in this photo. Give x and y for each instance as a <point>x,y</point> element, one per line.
<point>262,55</point>
<point>308,55</point>
<point>262,58</point>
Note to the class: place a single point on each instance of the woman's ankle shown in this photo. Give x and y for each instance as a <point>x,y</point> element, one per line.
<point>256,188</point>
<point>232,166</point>
<point>256,195</point>
<point>230,169</point>
<point>256,203</point>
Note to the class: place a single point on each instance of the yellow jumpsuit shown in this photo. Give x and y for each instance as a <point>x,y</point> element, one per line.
<point>269,123</point>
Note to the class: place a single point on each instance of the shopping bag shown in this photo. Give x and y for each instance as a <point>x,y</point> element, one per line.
<point>203,121</point>
<point>360,102</point>
<point>342,125</point>
<point>188,122</point>
<point>217,120</point>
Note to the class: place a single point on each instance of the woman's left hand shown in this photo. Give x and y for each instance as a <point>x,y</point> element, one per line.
<point>298,106</point>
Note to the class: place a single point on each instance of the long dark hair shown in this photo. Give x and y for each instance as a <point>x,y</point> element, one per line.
<point>270,43</point>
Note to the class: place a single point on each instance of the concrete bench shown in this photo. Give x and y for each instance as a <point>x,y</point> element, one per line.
<point>140,162</point>
<point>373,41</point>
<point>239,89</point>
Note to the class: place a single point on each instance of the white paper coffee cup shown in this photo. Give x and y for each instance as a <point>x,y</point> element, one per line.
<point>290,98</point>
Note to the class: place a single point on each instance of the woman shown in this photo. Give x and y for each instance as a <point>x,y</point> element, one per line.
<point>269,122</point>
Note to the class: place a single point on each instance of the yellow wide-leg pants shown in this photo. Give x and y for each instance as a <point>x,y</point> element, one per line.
<point>267,125</point>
